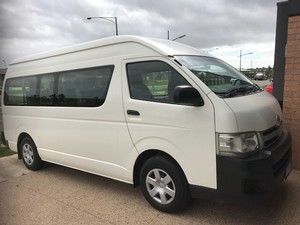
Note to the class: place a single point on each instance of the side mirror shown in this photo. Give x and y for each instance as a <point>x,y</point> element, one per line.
<point>187,95</point>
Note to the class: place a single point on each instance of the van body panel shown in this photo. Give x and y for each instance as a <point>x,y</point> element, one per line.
<point>225,119</point>
<point>105,55</point>
<point>88,135</point>
<point>154,131</point>
<point>117,45</point>
<point>256,112</point>
<point>178,130</point>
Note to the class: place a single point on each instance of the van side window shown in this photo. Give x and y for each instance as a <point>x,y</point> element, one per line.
<point>153,81</point>
<point>87,87</point>
<point>76,88</point>
<point>21,91</point>
<point>47,95</point>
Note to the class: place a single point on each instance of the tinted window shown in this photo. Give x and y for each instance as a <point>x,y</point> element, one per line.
<point>153,80</point>
<point>47,92</point>
<point>79,88</point>
<point>84,87</point>
<point>21,91</point>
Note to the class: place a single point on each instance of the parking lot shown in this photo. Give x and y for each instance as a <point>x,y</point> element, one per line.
<point>59,195</point>
<point>261,83</point>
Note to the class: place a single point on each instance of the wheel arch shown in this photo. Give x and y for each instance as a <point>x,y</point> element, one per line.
<point>145,156</point>
<point>20,138</point>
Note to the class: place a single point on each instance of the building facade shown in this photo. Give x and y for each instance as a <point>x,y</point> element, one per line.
<point>287,70</point>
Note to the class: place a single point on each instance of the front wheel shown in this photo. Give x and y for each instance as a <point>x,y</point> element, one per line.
<point>164,185</point>
<point>30,155</point>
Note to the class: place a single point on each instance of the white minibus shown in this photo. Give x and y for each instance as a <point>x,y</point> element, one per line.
<point>157,114</point>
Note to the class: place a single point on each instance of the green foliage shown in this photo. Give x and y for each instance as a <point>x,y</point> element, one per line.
<point>5,151</point>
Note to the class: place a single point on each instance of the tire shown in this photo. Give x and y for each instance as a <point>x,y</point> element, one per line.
<point>164,185</point>
<point>29,154</point>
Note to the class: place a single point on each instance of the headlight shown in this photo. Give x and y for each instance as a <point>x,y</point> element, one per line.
<point>241,144</point>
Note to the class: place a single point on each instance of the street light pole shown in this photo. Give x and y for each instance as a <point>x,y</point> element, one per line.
<point>108,18</point>
<point>168,36</point>
<point>249,53</point>
<point>116,22</point>
<point>182,36</point>
<point>252,67</point>
<point>212,49</point>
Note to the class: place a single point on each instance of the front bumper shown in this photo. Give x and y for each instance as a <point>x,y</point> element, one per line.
<point>254,177</point>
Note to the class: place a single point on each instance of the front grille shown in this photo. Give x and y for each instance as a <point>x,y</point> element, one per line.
<point>271,135</point>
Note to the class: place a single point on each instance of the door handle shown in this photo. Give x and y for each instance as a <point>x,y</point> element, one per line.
<point>133,112</point>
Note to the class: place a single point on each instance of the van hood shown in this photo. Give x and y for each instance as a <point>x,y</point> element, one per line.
<point>255,112</point>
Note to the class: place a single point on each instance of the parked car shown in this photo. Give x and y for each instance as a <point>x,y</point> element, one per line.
<point>269,87</point>
<point>260,76</point>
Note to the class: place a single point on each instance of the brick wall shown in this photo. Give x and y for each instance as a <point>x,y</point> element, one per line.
<point>291,99</point>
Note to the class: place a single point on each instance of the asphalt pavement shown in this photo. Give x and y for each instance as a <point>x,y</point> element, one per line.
<point>261,82</point>
<point>59,195</point>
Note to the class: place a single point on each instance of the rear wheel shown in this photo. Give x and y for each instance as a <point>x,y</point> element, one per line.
<point>30,155</point>
<point>164,185</point>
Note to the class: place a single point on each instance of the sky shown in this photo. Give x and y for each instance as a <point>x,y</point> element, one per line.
<point>224,28</point>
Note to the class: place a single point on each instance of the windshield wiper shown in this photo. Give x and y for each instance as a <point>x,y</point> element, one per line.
<point>240,91</point>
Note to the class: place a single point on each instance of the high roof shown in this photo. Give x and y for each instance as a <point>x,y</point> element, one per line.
<point>164,47</point>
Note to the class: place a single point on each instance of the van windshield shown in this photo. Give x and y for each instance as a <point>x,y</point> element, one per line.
<point>220,77</point>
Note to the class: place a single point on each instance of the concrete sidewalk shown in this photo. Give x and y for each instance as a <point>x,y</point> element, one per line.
<point>58,195</point>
